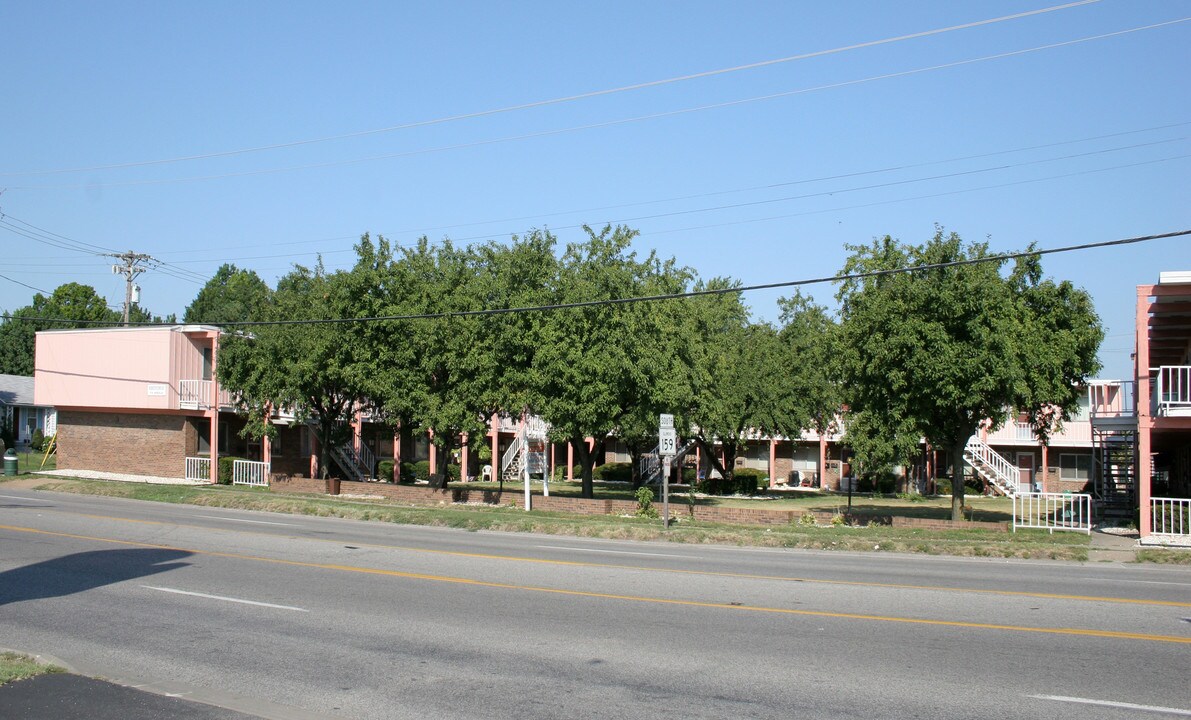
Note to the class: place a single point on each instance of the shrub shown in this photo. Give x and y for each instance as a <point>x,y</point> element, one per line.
<point>407,473</point>
<point>808,519</point>
<point>619,471</point>
<point>749,481</point>
<point>645,506</point>
<point>37,441</point>
<point>689,475</point>
<point>560,472</point>
<point>225,469</point>
<point>384,470</point>
<point>943,486</point>
<point>420,471</point>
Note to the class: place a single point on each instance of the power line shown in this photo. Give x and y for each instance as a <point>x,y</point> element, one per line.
<point>1000,257</point>
<point>18,282</point>
<point>569,98</point>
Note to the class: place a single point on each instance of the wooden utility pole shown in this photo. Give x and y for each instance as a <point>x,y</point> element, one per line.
<point>130,269</point>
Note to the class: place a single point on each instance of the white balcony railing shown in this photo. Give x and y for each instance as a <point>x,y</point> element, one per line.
<point>1116,399</point>
<point>196,395</point>
<point>1172,396</point>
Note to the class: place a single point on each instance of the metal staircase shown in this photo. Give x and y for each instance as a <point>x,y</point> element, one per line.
<point>1115,471</point>
<point>650,464</point>
<point>358,465</point>
<point>1004,477</point>
<point>527,453</point>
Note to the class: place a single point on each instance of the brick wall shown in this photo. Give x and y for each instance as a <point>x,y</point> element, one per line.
<point>424,496</point>
<point>134,443</point>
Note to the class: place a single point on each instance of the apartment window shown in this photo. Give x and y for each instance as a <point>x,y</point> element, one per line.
<point>1075,467</point>
<point>206,363</point>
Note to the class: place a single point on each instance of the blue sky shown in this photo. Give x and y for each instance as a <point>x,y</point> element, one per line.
<point>847,145</point>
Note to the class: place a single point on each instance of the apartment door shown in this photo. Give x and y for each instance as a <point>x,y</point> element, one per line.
<point>1025,466</point>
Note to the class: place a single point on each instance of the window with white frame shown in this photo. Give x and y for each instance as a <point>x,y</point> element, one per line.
<point>1075,467</point>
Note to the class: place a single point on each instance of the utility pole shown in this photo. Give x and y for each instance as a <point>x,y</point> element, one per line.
<point>130,268</point>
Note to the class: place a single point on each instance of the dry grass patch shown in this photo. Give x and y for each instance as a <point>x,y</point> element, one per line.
<point>14,666</point>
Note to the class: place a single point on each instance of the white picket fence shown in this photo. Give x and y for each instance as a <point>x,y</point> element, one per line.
<point>1053,511</point>
<point>198,468</point>
<point>249,472</point>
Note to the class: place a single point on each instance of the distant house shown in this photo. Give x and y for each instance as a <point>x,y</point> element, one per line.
<point>21,413</point>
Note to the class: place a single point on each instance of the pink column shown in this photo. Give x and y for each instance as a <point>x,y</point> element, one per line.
<point>463,459</point>
<point>214,411</point>
<point>772,462</point>
<point>822,461</point>
<point>1144,421</point>
<point>433,453</point>
<point>1045,464</point>
<point>570,462</point>
<point>494,434</point>
<point>357,430</point>
<point>397,454</point>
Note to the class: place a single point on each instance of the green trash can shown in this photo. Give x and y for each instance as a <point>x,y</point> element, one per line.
<point>10,462</point>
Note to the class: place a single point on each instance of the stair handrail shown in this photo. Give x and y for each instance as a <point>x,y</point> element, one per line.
<point>1006,471</point>
<point>513,451</point>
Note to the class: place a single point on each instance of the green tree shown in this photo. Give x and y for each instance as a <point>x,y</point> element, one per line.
<point>310,367</point>
<point>232,295</point>
<point>933,353</point>
<point>600,368</point>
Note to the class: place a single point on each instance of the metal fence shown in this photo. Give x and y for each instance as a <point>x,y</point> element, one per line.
<point>198,468</point>
<point>249,472</point>
<point>1170,516</point>
<point>1053,511</point>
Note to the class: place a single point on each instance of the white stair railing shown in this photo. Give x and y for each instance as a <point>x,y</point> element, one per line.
<point>992,466</point>
<point>510,462</point>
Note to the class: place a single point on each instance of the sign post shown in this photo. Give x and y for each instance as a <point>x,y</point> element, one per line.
<point>667,448</point>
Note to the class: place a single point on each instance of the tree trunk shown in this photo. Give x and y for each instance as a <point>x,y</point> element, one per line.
<point>445,441</point>
<point>635,462</point>
<point>585,458</point>
<point>957,480</point>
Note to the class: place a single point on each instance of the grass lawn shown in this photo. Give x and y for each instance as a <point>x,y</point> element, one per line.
<point>973,542</point>
<point>14,666</point>
<point>30,461</point>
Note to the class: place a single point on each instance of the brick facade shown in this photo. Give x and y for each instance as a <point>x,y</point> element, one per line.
<point>135,443</point>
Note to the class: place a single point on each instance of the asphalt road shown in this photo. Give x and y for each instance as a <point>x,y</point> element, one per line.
<point>297,617</point>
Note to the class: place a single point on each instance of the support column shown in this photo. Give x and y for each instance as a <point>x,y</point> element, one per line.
<point>463,458</point>
<point>822,461</point>
<point>357,431</point>
<point>772,462</point>
<point>1045,467</point>
<point>214,411</point>
<point>1141,328</point>
<point>397,454</point>
<point>494,434</point>
<point>433,453</point>
<point>570,462</point>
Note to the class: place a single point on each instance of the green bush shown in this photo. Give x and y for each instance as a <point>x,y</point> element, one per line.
<point>225,469</point>
<point>619,471</point>
<point>420,470</point>
<point>407,473</point>
<point>560,472</point>
<point>645,506</point>
<point>943,486</point>
<point>384,471</point>
<point>689,475</point>
<point>746,481</point>
<point>37,441</point>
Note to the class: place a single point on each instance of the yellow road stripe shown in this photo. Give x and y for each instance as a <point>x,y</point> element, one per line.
<point>629,598</point>
<point>708,573</point>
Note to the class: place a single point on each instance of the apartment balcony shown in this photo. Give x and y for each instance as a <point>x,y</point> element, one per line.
<point>1113,405</point>
<point>1172,392</point>
<point>196,395</point>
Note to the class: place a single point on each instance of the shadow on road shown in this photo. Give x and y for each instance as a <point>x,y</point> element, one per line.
<point>83,571</point>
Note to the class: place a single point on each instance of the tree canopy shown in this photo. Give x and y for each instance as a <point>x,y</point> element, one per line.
<point>231,295</point>
<point>933,353</point>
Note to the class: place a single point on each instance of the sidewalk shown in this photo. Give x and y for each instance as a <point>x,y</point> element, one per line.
<point>62,696</point>
<point>1109,547</point>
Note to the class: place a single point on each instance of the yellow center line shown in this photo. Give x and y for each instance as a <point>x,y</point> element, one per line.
<point>628,598</point>
<point>679,571</point>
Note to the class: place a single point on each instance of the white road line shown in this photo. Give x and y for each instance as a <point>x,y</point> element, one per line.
<point>615,552</point>
<point>1110,703</point>
<point>18,497</point>
<point>258,522</point>
<point>221,597</point>
<point>1132,582</point>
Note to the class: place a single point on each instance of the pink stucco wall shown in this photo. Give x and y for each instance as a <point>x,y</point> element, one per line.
<point>135,368</point>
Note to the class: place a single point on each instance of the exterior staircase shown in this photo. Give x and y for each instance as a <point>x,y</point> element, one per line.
<point>527,453</point>
<point>1116,474</point>
<point>1002,475</point>
<point>356,464</point>
<point>650,464</point>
